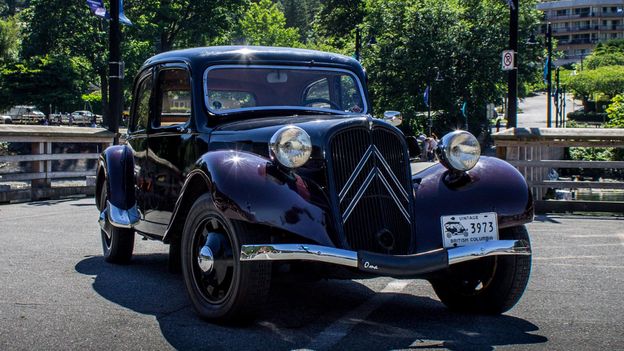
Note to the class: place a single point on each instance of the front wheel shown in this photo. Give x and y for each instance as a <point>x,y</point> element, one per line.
<point>491,285</point>
<point>219,285</point>
<point>117,243</point>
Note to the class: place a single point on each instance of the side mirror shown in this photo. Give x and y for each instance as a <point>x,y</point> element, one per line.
<point>393,117</point>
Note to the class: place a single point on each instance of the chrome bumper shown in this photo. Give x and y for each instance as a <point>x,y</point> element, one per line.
<point>384,264</point>
<point>119,217</point>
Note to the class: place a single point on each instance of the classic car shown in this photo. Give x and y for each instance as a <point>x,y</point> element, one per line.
<point>256,162</point>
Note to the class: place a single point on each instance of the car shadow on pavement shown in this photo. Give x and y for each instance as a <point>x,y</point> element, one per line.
<point>297,313</point>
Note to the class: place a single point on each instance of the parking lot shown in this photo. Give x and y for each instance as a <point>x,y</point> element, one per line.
<point>56,292</point>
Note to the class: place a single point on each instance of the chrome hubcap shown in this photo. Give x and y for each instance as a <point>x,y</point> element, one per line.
<point>205,259</point>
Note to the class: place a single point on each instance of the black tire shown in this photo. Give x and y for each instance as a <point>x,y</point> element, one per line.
<point>117,243</point>
<point>491,285</point>
<point>231,291</point>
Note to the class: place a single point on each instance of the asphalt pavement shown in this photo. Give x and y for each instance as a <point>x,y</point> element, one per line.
<point>57,293</point>
<point>532,112</point>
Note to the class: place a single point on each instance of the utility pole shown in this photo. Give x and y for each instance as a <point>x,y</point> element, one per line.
<point>512,80</point>
<point>557,99</point>
<point>548,75</point>
<point>115,71</point>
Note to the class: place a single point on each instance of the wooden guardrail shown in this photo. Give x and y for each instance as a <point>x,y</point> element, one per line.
<point>39,170</point>
<point>538,151</point>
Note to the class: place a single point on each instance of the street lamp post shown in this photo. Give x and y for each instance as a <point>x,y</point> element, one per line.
<point>512,80</point>
<point>548,75</point>
<point>115,71</point>
<point>438,78</point>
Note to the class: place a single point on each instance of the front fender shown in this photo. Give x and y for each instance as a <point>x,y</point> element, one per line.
<point>493,186</point>
<point>119,166</point>
<point>251,188</point>
<point>116,173</point>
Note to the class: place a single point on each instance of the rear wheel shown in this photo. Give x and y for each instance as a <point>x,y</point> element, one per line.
<point>219,285</point>
<point>117,243</point>
<point>491,285</point>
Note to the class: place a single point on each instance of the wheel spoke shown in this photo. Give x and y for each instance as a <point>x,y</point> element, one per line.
<point>214,284</point>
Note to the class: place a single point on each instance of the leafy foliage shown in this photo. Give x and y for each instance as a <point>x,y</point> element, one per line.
<point>606,80</point>
<point>43,81</point>
<point>411,43</point>
<point>168,24</point>
<point>9,40</point>
<point>402,42</point>
<point>615,111</point>
<point>264,24</point>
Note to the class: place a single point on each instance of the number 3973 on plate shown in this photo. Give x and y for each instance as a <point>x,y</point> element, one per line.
<point>469,229</point>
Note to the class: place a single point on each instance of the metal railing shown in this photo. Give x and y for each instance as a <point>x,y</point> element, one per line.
<point>38,172</point>
<point>536,152</point>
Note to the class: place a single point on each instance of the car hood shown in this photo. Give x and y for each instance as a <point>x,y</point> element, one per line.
<point>253,135</point>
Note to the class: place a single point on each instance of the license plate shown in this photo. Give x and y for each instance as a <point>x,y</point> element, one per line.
<point>469,229</point>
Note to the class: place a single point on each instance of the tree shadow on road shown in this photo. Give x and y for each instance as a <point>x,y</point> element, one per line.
<point>296,313</point>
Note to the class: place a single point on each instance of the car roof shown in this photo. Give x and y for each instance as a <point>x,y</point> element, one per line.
<point>254,55</point>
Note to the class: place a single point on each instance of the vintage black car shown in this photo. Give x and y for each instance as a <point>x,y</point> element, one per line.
<point>254,162</point>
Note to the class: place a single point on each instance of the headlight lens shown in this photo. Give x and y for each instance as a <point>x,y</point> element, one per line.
<point>291,146</point>
<point>460,150</point>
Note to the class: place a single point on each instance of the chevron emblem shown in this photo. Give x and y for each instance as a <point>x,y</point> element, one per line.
<point>380,170</point>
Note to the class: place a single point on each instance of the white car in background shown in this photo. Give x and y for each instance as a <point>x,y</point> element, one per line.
<point>82,118</point>
<point>5,119</point>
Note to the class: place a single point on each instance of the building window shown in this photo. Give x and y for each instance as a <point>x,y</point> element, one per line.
<point>562,13</point>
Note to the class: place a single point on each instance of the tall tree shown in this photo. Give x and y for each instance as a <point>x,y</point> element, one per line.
<point>460,40</point>
<point>265,24</point>
<point>300,14</point>
<point>9,40</point>
<point>67,28</point>
<point>173,24</point>
<point>44,81</point>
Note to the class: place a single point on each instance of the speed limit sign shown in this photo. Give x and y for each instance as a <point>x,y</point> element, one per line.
<point>508,60</point>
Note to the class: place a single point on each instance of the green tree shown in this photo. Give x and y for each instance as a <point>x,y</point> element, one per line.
<point>615,111</point>
<point>79,35</point>
<point>300,14</point>
<point>265,24</point>
<point>605,80</point>
<point>462,39</point>
<point>172,24</point>
<point>9,40</point>
<point>44,81</point>
<point>609,53</point>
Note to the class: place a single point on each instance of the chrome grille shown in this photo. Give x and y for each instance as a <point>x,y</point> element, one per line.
<point>372,187</point>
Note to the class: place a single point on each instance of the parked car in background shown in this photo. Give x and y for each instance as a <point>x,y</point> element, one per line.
<point>5,119</point>
<point>24,114</point>
<point>252,162</point>
<point>81,118</point>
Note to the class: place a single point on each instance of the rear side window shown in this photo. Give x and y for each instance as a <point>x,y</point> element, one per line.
<point>174,98</point>
<point>142,107</point>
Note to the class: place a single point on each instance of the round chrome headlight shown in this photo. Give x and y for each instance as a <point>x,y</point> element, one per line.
<point>459,150</point>
<point>291,146</point>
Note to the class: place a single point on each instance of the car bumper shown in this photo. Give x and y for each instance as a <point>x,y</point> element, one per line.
<point>393,265</point>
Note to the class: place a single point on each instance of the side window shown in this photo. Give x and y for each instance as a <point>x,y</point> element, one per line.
<point>317,94</point>
<point>174,98</point>
<point>350,95</point>
<point>142,107</point>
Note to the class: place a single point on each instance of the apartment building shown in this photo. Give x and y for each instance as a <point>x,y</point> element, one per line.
<point>578,25</point>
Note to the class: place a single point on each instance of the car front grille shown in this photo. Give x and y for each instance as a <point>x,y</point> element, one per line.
<point>372,189</point>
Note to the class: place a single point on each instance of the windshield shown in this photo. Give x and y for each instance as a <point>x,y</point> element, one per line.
<point>241,88</point>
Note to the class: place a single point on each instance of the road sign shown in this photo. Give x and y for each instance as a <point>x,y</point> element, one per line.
<point>509,60</point>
